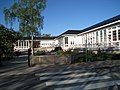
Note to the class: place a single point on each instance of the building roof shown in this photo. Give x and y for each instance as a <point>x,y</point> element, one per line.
<point>113,19</point>
<point>93,26</point>
<point>71,32</point>
<point>39,38</point>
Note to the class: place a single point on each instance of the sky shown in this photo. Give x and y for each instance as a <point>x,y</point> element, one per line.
<point>63,15</point>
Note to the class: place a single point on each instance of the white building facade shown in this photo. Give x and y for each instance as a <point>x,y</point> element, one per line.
<point>69,39</point>
<point>40,43</point>
<point>103,35</point>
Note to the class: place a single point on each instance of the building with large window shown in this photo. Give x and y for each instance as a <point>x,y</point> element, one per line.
<point>40,43</point>
<point>103,35</point>
<point>69,39</point>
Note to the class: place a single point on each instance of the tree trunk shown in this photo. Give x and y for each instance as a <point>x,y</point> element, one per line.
<point>32,46</point>
<point>0,60</point>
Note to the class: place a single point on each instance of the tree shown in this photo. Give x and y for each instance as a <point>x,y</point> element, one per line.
<point>46,35</point>
<point>7,38</point>
<point>28,14</point>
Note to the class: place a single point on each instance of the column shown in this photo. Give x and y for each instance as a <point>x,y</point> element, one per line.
<point>26,44</point>
<point>18,44</point>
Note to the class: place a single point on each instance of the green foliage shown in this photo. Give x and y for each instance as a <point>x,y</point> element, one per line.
<point>46,35</point>
<point>57,49</point>
<point>7,38</point>
<point>100,55</point>
<point>28,13</point>
<point>40,53</point>
<point>59,53</point>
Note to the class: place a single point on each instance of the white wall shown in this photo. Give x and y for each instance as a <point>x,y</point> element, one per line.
<point>22,45</point>
<point>81,40</point>
<point>73,41</point>
<point>46,43</point>
<point>92,40</point>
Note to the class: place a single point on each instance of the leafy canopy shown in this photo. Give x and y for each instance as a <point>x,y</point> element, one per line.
<point>8,37</point>
<point>28,14</point>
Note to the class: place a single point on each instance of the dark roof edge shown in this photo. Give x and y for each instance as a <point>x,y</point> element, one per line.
<point>113,19</point>
<point>71,32</point>
<point>39,38</point>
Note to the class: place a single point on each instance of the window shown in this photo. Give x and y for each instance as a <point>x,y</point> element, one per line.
<point>16,43</point>
<point>109,28</point>
<point>101,36</point>
<point>91,40</point>
<point>93,37</point>
<point>104,35</point>
<point>119,34</point>
<point>24,43</point>
<point>72,42</point>
<point>114,36</point>
<point>118,26</point>
<point>27,43</point>
<point>114,27</point>
<point>96,37</point>
<point>109,36</point>
<point>109,44</point>
<point>66,40</point>
<point>21,43</point>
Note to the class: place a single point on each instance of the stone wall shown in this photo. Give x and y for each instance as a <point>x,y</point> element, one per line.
<point>49,59</point>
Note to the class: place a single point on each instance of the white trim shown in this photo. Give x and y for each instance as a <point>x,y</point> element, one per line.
<point>99,27</point>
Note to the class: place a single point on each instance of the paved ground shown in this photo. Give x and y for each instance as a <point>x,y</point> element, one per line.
<point>16,75</point>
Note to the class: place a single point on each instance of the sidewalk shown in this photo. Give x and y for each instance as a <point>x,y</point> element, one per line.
<point>99,64</point>
<point>12,64</point>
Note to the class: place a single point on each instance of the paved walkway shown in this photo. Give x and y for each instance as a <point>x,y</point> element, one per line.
<point>84,76</point>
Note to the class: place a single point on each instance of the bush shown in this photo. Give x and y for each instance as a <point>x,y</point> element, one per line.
<point>115,56</point>
<point>57,49</point>
<point>59,52</point>
<point>40,53</point>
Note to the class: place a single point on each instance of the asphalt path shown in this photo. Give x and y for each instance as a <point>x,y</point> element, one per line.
<point>16,75</point>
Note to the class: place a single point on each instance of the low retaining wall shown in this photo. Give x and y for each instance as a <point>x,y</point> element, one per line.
<point>49,59</point>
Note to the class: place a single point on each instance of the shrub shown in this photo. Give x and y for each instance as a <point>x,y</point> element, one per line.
<point>57,49</point>
<point>115,56</point>
<point>40,53</point>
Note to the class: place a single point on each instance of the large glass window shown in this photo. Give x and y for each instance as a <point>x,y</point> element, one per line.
<point>93,37</point>
<point>114,36</point>
<point>97,37</point>
<point>101,36</point>
<point>114,27</point>
<point>16,43</point>
<point>104,35</point>
<point>66,40</point>
<point>109,28</point>
<point>109,36</point>
<point>119,34</point>
<point>25,43</point>
<point>20,43</point>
